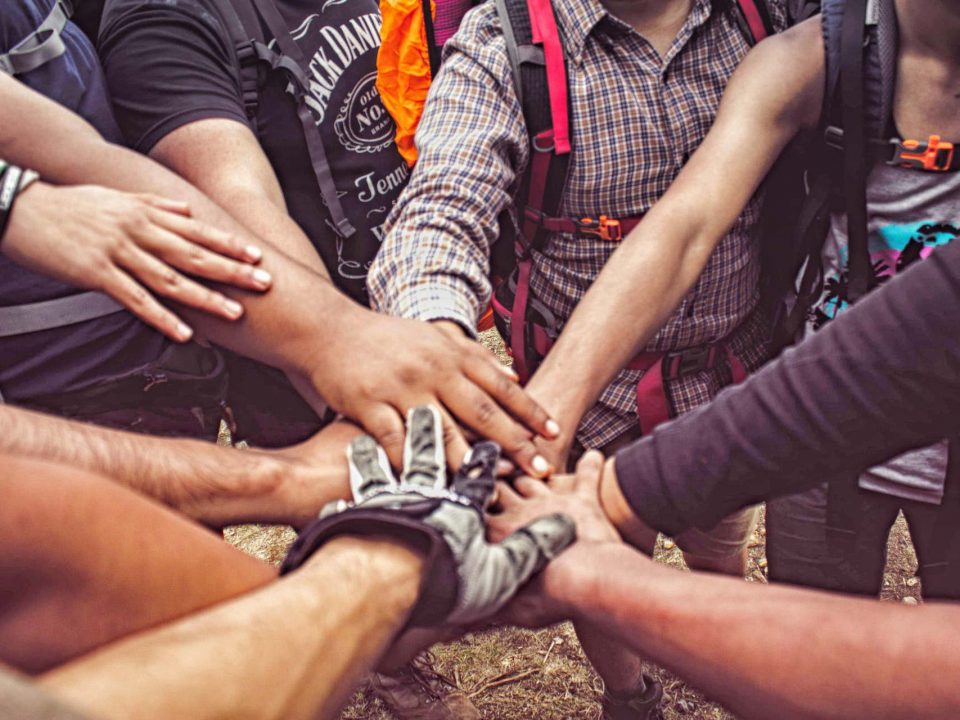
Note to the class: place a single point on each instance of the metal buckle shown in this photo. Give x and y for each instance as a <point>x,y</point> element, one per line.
<point>935,155</point>
<point>605,228</point>
<point>544,137</point>
<point>833,136</point>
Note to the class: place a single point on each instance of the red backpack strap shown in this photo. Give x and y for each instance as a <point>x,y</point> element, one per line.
<point>753,19</point>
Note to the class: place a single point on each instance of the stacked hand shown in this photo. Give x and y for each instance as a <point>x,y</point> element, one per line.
<point>130,246</point>
<point>466,577</point>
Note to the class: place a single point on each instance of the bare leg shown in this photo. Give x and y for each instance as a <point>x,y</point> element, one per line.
<point>619,667</point>
<point>85,561</point>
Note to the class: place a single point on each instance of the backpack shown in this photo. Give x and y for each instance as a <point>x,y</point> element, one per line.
<point>855,130</point>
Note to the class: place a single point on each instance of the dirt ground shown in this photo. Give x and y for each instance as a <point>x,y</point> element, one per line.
<point>513,674</point>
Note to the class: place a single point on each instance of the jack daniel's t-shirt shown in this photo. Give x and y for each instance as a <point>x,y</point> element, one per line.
<point>172,62</point>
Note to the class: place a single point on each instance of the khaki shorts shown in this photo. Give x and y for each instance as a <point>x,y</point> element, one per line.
<point>726,539</point>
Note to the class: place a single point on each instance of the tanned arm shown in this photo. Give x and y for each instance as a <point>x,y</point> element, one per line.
<point>295,650</point>
<point>775,92</point>
<point>214,485</point>
<point>369,367</point>
<point>772,651</point>
<point>764,651</point>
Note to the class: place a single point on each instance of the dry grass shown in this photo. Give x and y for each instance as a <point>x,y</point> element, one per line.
<point>544,675</point>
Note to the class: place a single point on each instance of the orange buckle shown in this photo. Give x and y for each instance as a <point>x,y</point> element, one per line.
<point>935,155</point>
<point>605,228</point>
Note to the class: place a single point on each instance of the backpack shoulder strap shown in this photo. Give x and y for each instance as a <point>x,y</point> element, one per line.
<point>243,24</point>
<point>857,101</point>
<point>42,45</point>
<point>245,35</point>
<point>752,17</point>
<point>545,106</point>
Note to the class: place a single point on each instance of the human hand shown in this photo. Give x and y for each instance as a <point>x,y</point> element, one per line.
<point>131,247</point>
<point>547,599</point>
<point>466,578</point>
<point>378,367</point>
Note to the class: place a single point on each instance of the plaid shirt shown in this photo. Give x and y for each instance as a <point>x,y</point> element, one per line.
<point>636,118</point>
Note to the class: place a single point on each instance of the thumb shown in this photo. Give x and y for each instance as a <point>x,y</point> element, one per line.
<point>588,473</point>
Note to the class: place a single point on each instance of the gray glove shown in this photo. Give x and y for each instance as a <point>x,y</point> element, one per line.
<point>466,578</point>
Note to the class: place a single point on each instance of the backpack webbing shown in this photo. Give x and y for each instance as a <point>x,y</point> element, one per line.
<point>243,24</point>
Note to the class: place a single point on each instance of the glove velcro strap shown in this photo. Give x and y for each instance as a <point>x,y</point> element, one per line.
<point>439,586</point>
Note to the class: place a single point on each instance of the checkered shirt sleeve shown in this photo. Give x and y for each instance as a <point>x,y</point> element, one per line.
<point>472,145</point>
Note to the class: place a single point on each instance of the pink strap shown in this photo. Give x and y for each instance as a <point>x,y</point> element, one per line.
<point>543,25</point>
<point>737,369</point>
<point>752,14</point>
<point>518,321</point>
<point>539,169</point>
<point>652,405</point>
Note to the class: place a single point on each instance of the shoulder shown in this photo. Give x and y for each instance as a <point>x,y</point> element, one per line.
<point>479,42</point>
<point>121,17</point>
<point>789,69</point>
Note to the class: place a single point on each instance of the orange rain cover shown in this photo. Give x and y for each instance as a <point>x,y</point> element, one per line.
<point>403,68</point>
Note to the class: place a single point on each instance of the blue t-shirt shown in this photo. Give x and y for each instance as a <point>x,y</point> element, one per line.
<point>77,356</point>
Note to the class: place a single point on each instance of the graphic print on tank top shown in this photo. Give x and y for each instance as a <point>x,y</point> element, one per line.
<point>340,44</point>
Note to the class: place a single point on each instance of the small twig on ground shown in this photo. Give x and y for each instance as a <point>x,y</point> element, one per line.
<point>504,679</point>
<point>556,641</point>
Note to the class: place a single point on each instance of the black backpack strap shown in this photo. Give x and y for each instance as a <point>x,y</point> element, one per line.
<point>854,165</point>
<point>541,190</point>
<point>244,27</point>
<point>433,50</point>
<point>245,36</point>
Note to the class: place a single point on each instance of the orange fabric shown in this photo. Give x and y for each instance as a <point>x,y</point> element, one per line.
<point>403,68</point>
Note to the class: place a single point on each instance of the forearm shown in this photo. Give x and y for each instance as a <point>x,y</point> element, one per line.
<point>278,327</point>
<point>296,649</point>
<point>879,380</point>
<point>776,651</point>
<point>597,343</point>
<point>211,484</point>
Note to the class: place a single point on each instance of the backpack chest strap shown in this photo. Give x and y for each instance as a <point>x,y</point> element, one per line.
<point>931,155</point>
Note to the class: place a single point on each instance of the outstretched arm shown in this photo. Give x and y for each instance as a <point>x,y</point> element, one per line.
<point>775,92</point>
<point>879,380</point>
<point>764,651</point>
<point>772,651</point>
<point>304,325</point>
<point>214,485</point>
<point>295,649</point>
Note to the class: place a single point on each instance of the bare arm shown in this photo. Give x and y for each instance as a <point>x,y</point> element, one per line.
<point>774,651</point>
<point>775,92</point>
<point>304,325</point>
<point>214,485</point>
<point>295,649</point>
<point>224,160</point>
<point>764,651</point>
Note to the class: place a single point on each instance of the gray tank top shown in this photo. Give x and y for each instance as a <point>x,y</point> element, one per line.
<point>910,213</point>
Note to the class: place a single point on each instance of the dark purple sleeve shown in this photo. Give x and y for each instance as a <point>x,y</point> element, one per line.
<point>881,379</point>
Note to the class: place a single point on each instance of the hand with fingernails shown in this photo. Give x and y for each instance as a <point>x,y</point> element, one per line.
<point>466,578</point>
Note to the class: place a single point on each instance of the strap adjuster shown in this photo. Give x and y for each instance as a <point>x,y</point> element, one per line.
<point>687,362</point>
<point>606,228</point>
<point>934,155</point>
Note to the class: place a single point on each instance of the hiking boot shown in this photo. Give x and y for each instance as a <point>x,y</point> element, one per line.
<point>643,703</point>
<point>419,692</point>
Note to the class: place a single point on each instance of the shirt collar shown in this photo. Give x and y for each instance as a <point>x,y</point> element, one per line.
<point>577,19</point>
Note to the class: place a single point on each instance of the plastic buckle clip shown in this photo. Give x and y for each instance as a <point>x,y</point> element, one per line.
<point>605,228</point>
<point>935,155</point>
<point>689,361</point>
